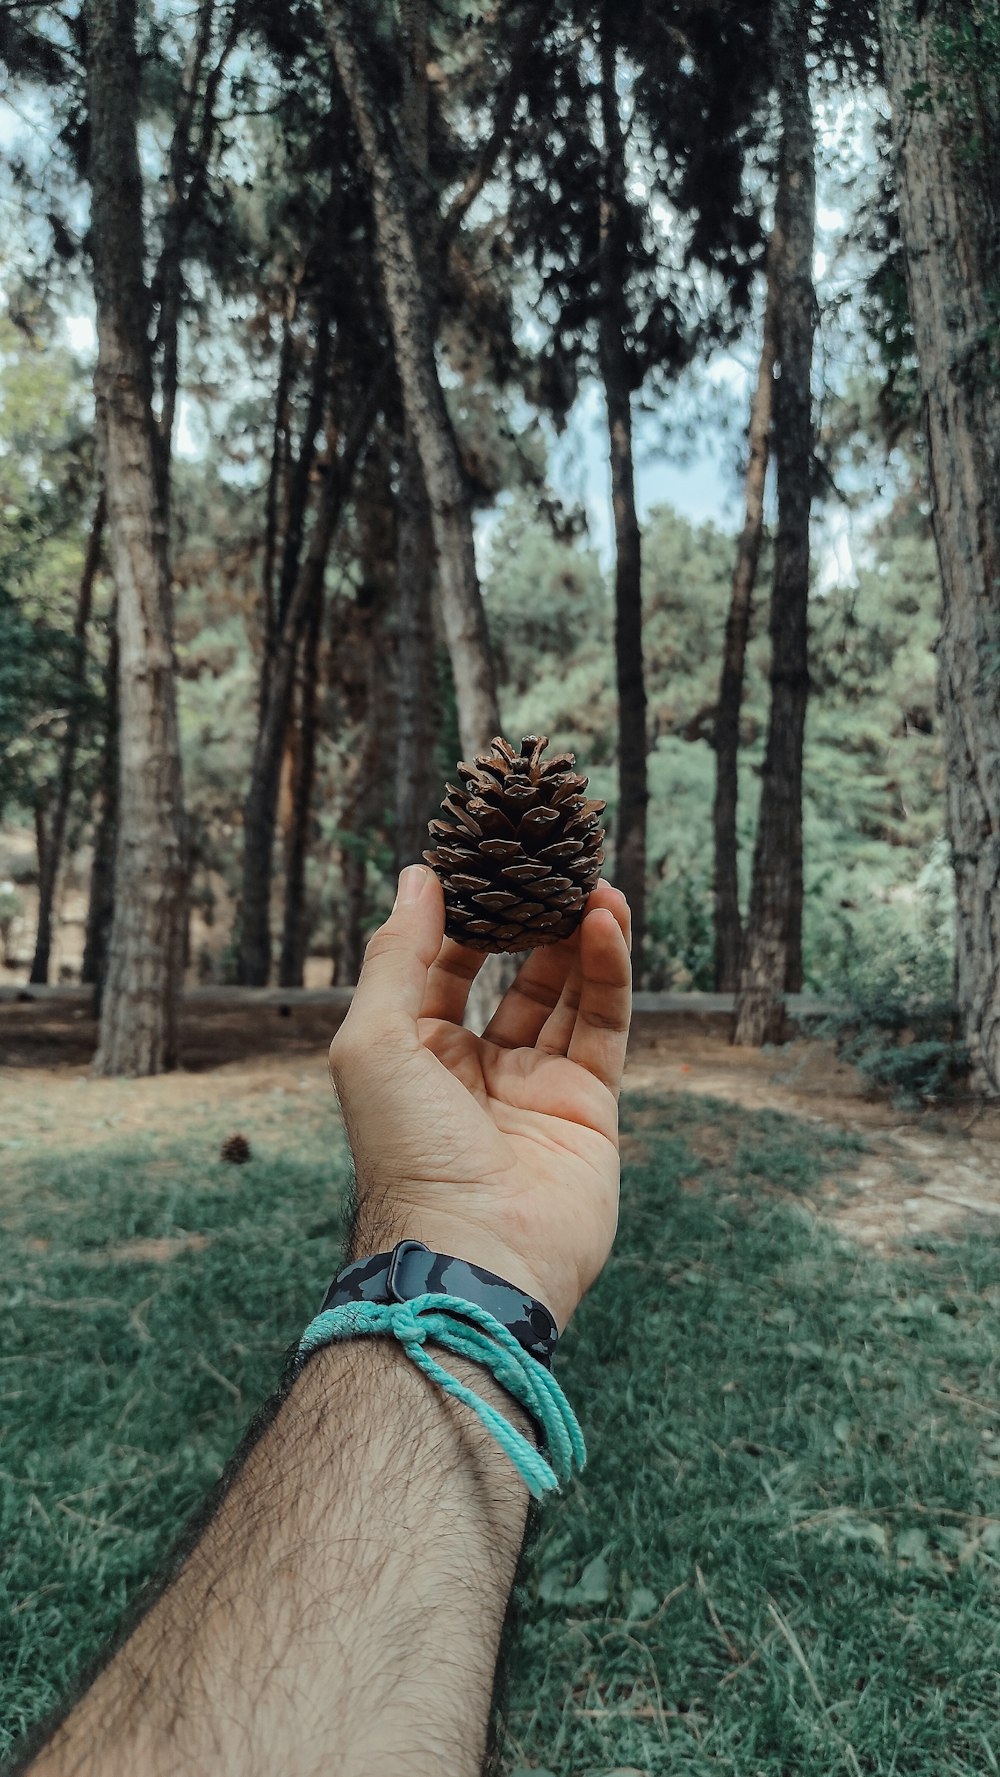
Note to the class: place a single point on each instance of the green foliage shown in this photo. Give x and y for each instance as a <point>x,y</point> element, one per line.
<point>46,495</point>
<point>893,980</point>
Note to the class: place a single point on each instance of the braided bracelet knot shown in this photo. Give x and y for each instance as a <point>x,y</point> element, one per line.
<point>470,1331</point>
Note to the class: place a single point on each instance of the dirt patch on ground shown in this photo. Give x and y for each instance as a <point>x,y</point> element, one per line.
<point>249,1065</point>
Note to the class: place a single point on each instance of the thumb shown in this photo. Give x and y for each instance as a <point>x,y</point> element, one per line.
<point>399,954</point>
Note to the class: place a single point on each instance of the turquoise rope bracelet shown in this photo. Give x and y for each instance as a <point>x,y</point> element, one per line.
<point>445,1319</point>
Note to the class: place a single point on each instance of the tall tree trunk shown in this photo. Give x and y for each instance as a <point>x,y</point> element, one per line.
<point>726,740</point>
<point>411,321</point>
<point>262,796</point>
<point>295,932</point>
<point>78,670</point>
<point>277,685</point>
<point>943,77</point>
<point>416,699</point>
<point>633,792</point>
<point>101,901</point>
<point>362,684</point>
<point>139,1010</point>
<point>777,863</point>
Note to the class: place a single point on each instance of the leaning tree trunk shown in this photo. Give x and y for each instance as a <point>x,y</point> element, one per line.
<point>613,322</point>
<point>943,77</point>
<point>726,739</point>
<point>56,834</point>
<point>777,863</point>
<point>410,315</point>
<point>139,1009</point>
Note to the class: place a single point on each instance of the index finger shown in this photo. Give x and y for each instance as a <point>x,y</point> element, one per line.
<point>449,980</point>
<point>600,1035</point>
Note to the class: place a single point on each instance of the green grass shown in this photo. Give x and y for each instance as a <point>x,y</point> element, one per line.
<point>783,1557</point>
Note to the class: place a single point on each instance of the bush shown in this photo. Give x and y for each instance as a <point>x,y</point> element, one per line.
<point>894,1013</point>
<point>679,935</point>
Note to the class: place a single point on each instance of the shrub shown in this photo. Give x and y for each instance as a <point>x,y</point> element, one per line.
<point>892,987</point>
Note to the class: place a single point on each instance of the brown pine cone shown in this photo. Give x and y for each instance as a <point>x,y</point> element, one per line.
<point>520,849</point>
<point>236,1149</point>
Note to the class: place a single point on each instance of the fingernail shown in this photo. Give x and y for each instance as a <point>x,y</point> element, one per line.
<point>412,882</point>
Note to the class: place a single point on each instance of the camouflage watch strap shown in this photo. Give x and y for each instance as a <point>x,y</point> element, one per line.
<point>411,1269</point>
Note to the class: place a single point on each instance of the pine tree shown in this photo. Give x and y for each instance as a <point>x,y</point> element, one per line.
<point>774,920</point>
<point>139,1005</point>
<point>942,65</point>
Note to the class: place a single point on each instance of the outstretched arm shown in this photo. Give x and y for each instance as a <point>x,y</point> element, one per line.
<point>342,1610</point>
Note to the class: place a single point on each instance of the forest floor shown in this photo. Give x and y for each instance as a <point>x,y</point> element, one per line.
<point>902,1174</point>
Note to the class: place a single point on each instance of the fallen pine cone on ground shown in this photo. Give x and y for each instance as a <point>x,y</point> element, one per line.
<point>518,848</point>
<point>235,1149</point>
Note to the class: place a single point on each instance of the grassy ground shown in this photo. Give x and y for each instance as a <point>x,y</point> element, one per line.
<point>783,1556</point>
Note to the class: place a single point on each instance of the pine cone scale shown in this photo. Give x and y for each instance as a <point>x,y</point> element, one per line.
<point>518,848</point>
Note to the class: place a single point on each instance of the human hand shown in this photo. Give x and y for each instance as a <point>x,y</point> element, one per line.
<point>501,1149</point>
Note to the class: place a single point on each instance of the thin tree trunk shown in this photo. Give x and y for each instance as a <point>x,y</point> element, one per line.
<point>411,321</point>
<point>946,138</point>
<point>276,472</point>
<point>726,740</point>
<point>277,688</point>
<point>262,795</point>
<point>777,864</point>
<point>139,1011</point>
<point>416,700</point>
<point>633,792</point>
<point>363,686</point>
<point>101,902</point>
<point>295,933</point>
<point>190,152</point>
<point>57,831</point>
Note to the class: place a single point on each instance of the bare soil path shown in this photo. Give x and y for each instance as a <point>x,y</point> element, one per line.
<point>254,1066</point>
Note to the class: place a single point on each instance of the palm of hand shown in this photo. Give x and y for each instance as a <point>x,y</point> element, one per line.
<point>500,1149</point>
<point>519,1145</point>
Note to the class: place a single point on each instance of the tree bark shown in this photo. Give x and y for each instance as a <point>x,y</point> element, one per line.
<point>726,738</point>
<point>295,932</point>
<point>411,321</point>
<point>57,831</point>
<point>613,323</point>
<point>943,80</point>
<point>101,902</point>
<point>139,1011</point>
<point>777,865</point>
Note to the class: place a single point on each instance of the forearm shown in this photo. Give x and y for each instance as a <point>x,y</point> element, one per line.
<point>343,1610</point>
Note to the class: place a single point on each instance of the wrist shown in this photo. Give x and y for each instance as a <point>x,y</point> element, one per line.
<point>380,1363</point>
